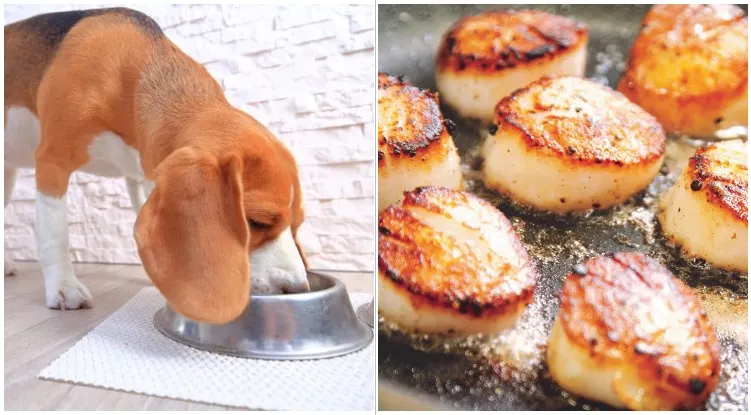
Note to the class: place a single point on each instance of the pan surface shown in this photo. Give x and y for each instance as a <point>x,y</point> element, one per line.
<point>508,372</point>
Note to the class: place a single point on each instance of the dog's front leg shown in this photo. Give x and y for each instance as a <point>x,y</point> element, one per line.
<point>10,182</point>
<point>62,288</point>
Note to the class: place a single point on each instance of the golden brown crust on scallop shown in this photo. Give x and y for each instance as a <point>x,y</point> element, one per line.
<point>724,180</point>
<point>696,55</point>
<point>669,36</point>
<point>493,41</point>
<point>627,307</point>
<point>440,269</point>
<point>584,121</point>
<point>410,123</point>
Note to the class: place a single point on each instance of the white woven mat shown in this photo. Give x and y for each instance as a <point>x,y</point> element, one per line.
<point>127,353</point>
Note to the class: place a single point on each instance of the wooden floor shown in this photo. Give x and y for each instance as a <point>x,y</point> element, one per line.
<point>36,335</point>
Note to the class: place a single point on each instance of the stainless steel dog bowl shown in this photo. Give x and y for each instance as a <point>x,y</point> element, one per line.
<point>314,325</point>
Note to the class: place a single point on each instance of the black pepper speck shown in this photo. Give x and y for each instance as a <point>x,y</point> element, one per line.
<point>450,126</point>
<point>451,42</point>
<point>493,129</point>
<point>696,386</point>
<point>696,185</point>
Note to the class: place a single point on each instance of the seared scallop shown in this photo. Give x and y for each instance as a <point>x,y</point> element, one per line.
<point>568,144</point>
<point>706,210</point>
<point>415,147</point>
<point>689,68</point>
<point>450,263</point>
<point>486,57</point>
<point>631,335</point>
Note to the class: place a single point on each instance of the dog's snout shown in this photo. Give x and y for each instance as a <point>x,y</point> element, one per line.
<point>278,268</point>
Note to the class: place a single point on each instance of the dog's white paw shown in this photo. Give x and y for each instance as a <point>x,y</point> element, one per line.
<point>68,294</point>
<point>10,266</point>
<point>277,281</point>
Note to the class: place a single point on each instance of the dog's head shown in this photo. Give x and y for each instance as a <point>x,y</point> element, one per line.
<point>218,214</point>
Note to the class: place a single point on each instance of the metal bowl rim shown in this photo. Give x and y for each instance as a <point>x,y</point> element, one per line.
<point>306,295</point>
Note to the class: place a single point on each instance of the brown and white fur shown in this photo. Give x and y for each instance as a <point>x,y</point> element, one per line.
<point>105,92</point>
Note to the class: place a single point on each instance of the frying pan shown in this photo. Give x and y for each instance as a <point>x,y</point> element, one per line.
<point>508,372</point>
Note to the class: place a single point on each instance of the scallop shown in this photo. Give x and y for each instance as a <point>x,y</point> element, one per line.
<point>706,210</point>
<point>450,263</point>
<point>486,57</point>
<point>631,335</point>
<point>415,147</point>
<point>689,68</point>
<point>566,144</point>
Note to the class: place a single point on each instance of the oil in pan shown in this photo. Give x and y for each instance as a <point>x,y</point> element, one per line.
<point>507,372</point>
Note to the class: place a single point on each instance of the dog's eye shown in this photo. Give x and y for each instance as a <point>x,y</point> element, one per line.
<point>258,225</point>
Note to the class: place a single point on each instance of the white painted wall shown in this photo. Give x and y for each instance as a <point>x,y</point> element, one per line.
<point>306,72</point>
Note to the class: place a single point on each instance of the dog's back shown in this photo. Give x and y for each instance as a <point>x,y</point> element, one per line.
<point>30,47</point>
<point>58,45</point>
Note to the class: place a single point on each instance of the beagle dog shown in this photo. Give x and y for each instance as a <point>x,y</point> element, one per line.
<point>217,194</point>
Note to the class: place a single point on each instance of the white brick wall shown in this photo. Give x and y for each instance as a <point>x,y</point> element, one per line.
<point>304,71</point>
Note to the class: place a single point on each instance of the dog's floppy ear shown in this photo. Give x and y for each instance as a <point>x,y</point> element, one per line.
<point>192,236</point>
